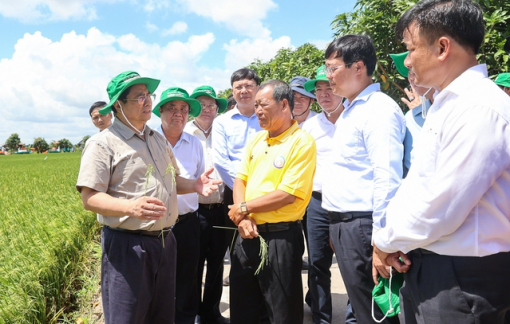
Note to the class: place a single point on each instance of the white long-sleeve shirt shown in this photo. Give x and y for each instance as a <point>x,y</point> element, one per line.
<point>456,198</point>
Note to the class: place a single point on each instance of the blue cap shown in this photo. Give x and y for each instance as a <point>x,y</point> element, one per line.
<point>298,84</point>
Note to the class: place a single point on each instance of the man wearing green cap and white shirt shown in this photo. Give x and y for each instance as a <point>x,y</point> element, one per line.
<point>174,108</point>
<point>320,255</point>
<point>210,211</point>
<point>122,179</point>
<point>503,81</point>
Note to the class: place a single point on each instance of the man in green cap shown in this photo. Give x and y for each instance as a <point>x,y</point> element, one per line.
<point>174,108</point>
<point>210,211</point>
<point>123,178</point>
<point>503,81</point>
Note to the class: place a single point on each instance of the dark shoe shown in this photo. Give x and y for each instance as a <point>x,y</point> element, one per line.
<point>304,266</point>
<point>226,281</point>
<point>218,320</point>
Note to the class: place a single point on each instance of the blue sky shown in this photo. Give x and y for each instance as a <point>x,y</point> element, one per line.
<point>58,56</point>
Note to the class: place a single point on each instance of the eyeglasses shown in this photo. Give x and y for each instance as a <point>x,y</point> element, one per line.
<point>141,99</point>
<point>248,87</point>
<point>331,70</point>
<point>209,107</point>
<point>174,110</point>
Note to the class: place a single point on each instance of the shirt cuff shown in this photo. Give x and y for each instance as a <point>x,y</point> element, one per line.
<point>379,239</point>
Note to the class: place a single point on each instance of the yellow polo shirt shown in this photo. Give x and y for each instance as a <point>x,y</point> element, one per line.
<point>286,162</point>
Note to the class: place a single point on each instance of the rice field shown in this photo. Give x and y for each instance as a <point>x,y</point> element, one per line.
<point>43,233</point>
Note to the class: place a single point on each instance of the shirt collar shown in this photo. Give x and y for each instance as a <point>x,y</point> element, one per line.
<point>183,137</point>
<point>283,136</point>
<point>235,111</point>
<point>464,81</point>
<point>363,95</point>
<point>126,131</point>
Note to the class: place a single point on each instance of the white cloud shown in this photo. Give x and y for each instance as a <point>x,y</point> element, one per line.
<point>242,16</point>
<point>32,11</point>
<point>49,85</point>
<point>178,27</point>
<point>240,54</point>
<point>151,27</point>
<point>151,5</point>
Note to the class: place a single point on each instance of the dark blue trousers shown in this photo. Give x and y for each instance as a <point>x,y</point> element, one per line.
<point>320,258</point>
<point>187,235</point>
<point>353,248</point>
<point>212,249</point>
<point>137,278</point>
<point>456,290</point>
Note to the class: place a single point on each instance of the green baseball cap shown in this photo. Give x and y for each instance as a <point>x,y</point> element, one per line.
<point>503,79</point>
<point>320,76</point>
<point>123,81</point>
<point>175,93</point>
<point>209,91</point>
<point>399,63</point>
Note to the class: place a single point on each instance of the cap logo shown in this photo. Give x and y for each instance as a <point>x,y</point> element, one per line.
<point>208,91</point>
<point>175,94</point>
<point>131,78</point>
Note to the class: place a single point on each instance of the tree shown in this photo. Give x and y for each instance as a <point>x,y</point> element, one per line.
<point>40,145</point>
<point>289,63</point>
<point>65,144</point>
<point>12,142</point>
<point>378,18</point>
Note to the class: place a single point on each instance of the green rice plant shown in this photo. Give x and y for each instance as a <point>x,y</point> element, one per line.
<point>43,231</point>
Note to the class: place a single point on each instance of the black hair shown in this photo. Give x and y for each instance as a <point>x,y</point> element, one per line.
<point>122,97</point>
<point>354,48</point>
<point>460,19</point>
<point>95,105</point>
<point>231,101</point>
<point>243,74</point>
<point>281,90</point>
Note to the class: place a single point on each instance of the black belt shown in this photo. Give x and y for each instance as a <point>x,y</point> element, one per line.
<point>210,206</point>
<point>317,195</point>
<point>424,251</point>
<point>164,232</point>
<point>276,227</point>
<point>342,217</point>
<point>182,217</point>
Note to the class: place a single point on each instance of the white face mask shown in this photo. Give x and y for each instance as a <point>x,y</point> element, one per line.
<point>136,130</point>
<point>424,103</point>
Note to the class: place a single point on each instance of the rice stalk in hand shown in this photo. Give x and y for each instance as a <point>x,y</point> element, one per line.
<point>264,259</point>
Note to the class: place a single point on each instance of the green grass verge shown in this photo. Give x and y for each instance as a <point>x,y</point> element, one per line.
<point>43,233</point>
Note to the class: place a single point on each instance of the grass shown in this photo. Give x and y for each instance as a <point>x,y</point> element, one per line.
<point>46,236</point>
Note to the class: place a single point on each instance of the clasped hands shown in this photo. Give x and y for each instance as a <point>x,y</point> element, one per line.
<point>245,224</point>
<point>381,260</point>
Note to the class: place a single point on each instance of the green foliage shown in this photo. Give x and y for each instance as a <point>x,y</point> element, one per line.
<point>378,19</point>
<point>65,144</point>
<point>12,142</point>
<point>289,63</point>
<point>40,145</point>
<point>225,93</point>
<point>43,231</point>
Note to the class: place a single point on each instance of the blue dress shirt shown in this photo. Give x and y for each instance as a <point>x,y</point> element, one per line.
<point>365,168</point>
<point>231,132</point>
<point>414,123</point>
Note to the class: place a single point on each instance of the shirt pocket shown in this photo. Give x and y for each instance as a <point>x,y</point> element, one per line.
<point>137,176</point>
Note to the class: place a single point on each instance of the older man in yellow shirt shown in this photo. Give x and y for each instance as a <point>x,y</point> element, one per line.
<point>271,191</point>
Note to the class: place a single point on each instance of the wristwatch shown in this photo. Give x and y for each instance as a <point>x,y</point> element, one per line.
<point>243,207</point>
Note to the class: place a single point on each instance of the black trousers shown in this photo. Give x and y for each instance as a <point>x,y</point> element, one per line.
<point>230,235</point>
<point>137,278</point>
<point>456,290</point>
<point>275,295</point>
<point>352,242</point>
<point>212,249</point>
<point>187,235</point>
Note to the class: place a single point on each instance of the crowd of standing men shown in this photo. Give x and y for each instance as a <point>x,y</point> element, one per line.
<point>337,174</point>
